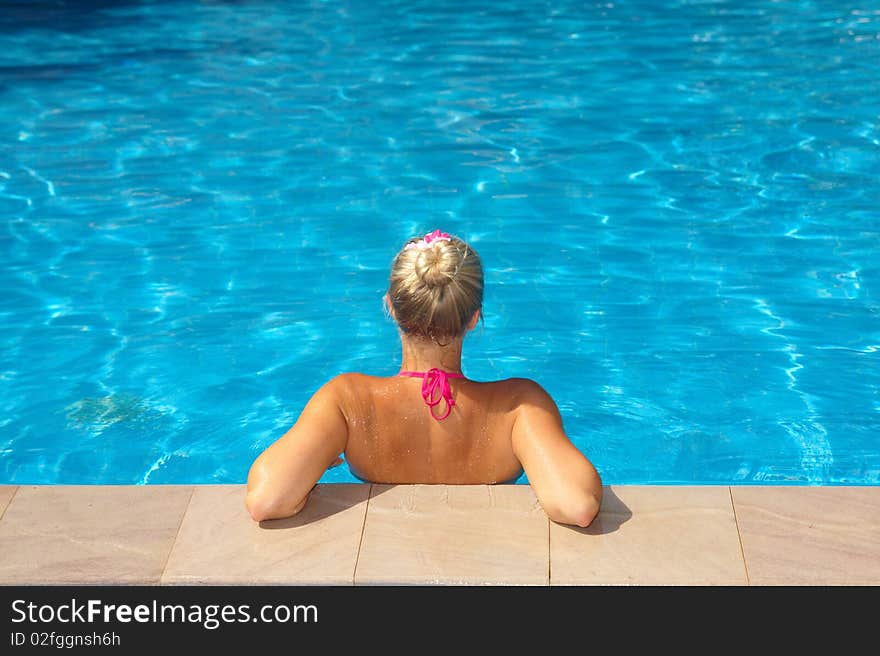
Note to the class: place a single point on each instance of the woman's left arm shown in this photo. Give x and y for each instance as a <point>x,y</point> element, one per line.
<point>282,476</point>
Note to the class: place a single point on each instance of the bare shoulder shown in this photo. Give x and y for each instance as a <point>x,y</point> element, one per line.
<point>350,381</point>
<point>350,385</point>
<point>527,393</point>
<point>525,386</point>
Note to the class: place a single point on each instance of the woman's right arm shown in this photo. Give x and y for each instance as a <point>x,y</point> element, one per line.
<point>564,480</point>
<point>281,478</point>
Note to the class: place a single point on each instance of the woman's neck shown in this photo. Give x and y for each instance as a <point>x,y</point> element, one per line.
<point>423,354</point>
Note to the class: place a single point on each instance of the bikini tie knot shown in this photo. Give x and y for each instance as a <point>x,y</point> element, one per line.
<point>435,387</point>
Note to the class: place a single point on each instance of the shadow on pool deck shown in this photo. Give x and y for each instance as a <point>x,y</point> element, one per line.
<point>613,515</point>
<point>318,508</point>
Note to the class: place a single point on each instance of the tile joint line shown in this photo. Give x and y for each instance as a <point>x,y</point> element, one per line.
<point>549,554</point>
<point>176,534</point>
<point>742,549</point>
<point>357,558</point>
<point>11,499</point>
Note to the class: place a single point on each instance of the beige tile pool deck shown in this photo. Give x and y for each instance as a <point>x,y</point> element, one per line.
<point>359,534</point>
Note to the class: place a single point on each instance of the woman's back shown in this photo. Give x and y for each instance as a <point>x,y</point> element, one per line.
<point>393,437</point>
<point>429,424</point>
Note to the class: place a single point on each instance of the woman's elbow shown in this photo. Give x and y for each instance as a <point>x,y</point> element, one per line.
<point>255,499</point>
<point>580,511</point>
<point>586,512</point>
<point>258,506</point>
<point>262,507</point>
<point>261,504</point>
<point>260,501</point>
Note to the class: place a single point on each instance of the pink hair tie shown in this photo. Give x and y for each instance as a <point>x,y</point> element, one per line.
<point>427,240</point>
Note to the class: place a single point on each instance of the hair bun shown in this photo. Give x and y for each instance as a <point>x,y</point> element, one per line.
<point>435,266</point>
<point>435,286</point>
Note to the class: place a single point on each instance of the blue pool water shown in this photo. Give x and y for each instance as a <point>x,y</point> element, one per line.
<point>677,204</point>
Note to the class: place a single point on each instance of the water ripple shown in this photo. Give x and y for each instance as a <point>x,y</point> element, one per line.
<point>676,206</point>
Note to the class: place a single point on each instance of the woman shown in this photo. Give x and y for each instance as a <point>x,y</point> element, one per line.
<point>429,423</point>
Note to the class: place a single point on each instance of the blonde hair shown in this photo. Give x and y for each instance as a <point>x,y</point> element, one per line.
<point>435,288</point>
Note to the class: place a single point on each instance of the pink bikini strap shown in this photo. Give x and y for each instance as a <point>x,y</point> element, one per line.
<point>435,386</point>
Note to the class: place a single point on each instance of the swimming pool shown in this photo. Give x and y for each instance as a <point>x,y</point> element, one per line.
<point>676,203</point>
